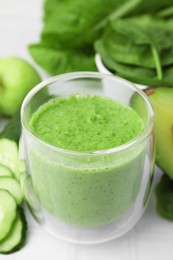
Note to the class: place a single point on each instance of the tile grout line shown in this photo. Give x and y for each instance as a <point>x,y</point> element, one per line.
<point>132,246</point>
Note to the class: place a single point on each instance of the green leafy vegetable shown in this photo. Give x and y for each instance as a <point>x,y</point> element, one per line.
<point>49,6</point>
<point>57,61</point>
<point>146,30</point>
<point>80,22</point>
<point>151,7</point>
<point>70,29</point>
<point>164,195</point>
<point>119,48</point>
<point>166,13</point>
<point>139,49</point>
<point>137,74</point>
<point>12,130</point>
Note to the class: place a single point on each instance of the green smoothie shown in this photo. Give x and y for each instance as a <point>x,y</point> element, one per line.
<point>86,190</point>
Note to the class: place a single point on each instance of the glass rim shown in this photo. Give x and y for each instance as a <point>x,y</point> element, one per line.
<point>97,75</point>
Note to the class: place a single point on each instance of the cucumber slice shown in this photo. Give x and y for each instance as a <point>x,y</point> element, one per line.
<point>5,171</point>
<point>9,155</point>
<point>16,237</point>
<point>11,185</point>
<point>8,211</point>
<point>23,177</point>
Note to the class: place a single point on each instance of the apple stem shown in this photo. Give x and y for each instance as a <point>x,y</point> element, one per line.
<point>149,91</point>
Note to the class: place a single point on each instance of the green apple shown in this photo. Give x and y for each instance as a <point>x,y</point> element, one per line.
<point>17,78</point>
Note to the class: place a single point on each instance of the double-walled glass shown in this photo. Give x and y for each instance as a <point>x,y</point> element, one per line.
<point>95,196</point>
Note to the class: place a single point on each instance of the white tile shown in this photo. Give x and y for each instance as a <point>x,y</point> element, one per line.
<point>154,247</point>
<point>118,249</point>
<point>41,245</point>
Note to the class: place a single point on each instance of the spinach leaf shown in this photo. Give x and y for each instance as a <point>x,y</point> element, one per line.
<point>148,30</point>
<point>57,61</point>
<point>78,22</point>
<point>134,73</point>
<point>12,130</point>
<point>164,196</point>
<point>49,6</point>
<point>150,7</point>
<point>70,28</point>
<point>142,75</point>
<point>121,48</point>
<point>166,13</point>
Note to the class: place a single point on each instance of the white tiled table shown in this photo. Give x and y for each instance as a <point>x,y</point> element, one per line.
<point>151,239</point>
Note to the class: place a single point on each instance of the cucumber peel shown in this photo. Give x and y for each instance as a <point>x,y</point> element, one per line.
<point>8,210</point>
<point>16,237</point>
<point>9,155</point>
<point>13,225</point>
<point>5,171</point>
<point>12,186</point>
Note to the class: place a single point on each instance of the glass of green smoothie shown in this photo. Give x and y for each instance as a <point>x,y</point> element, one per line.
<point>87,139</point>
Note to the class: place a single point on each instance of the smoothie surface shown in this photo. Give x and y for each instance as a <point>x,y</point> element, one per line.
<point>86,123</point>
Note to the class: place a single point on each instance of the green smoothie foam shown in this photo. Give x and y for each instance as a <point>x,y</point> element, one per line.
<point>86,190</point>
<point>86,123</point>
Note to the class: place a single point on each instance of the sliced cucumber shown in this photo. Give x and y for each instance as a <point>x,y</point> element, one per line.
<point>23,177</point>
<point>16,237</point>
<point>5,171</point>
<point>10,184</point>
<point>9,155</point>
<point>8,211</point>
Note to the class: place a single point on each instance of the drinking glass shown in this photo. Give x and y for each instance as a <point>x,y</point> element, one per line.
<point>87,197</point>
